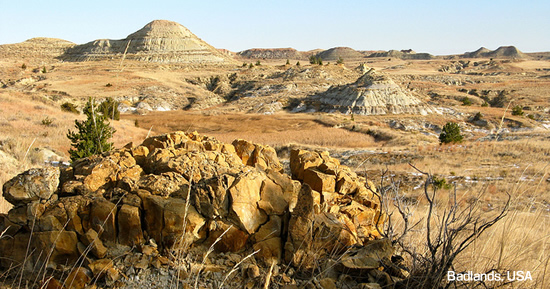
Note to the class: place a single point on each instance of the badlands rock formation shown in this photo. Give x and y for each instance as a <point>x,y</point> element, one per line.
<point>272,53</point>
<point>501,52</point>
<point>372,94</point>
<point>159,41</point>
<point>336,53</point>
<point>184,191</point>
<point>403,54</point>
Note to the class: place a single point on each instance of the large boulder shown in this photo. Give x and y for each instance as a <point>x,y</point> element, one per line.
<point>32,185</point>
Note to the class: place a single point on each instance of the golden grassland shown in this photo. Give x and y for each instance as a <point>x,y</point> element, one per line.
<point>27,124</point>
<point>275,130</point>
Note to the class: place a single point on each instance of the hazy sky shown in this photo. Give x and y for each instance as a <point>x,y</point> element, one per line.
<point>438,27</point>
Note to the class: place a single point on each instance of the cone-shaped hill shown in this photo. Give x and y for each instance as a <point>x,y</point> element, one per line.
<point>478,53</point>
<point>335,53</point>
<point>159,41</point>
<point>373,93</point>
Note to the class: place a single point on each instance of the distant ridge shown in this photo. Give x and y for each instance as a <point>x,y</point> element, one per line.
<point>159,41</point>
<point>403,54</point>
<point>510,52</point>
<point>36,49</point>
<point>271,53</point>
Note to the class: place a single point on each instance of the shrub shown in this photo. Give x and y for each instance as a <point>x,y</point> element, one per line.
<point>298,63</point>
<point>450,133</point>
<point>47,121</point>
<point>109,108</point>
<point>69,107</point>
<point>258,63</point>
<point>24,66</point>
<point>517,110</point>
<point>441,183</point>
<point>466,101</point>
<point>44,69</point>
<point>92,135</point>
<point>340,60</point>
<point>287,62</point>
<point>449,228</point>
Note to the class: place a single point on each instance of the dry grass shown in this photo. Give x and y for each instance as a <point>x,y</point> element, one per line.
<point>518,242</point>
<point>22,132</point>
<point>276,130</point>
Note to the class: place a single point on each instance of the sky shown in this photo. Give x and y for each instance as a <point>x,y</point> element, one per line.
<point>438,27</point>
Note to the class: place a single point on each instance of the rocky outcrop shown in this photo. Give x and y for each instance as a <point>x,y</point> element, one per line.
<point>185,191</point>
<point>159,41</point>
<point>372,94</point>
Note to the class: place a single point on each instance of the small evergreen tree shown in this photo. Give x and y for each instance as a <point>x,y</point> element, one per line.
<point>287,62</point>
<point>315,60</point>
<point>450,133</point>
<point>93,134</point>
<point>517,110</point>
<point>109,108</point>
